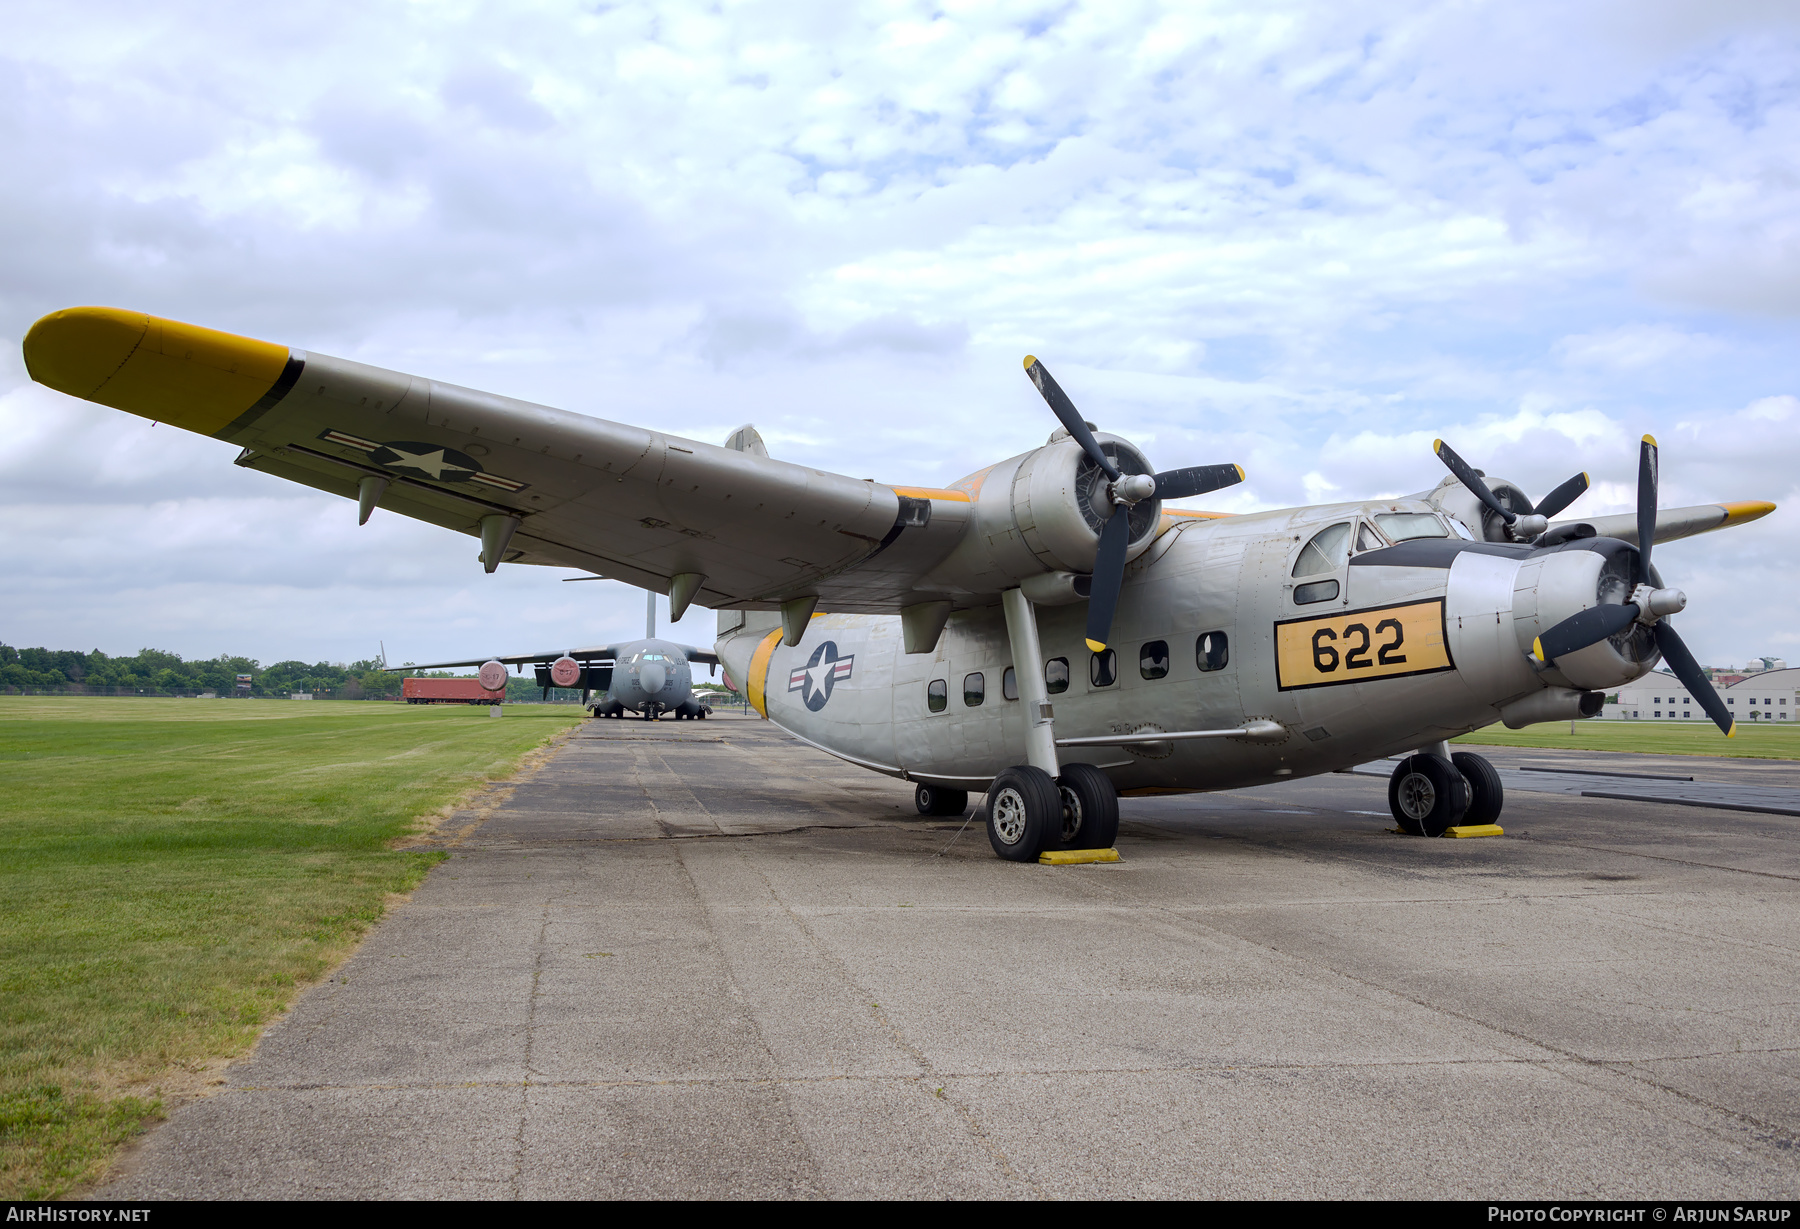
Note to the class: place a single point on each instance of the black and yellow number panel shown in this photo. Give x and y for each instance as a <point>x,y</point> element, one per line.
<point>1390,642</point>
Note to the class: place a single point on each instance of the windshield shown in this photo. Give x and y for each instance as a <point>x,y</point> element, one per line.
<point>1400,526</point>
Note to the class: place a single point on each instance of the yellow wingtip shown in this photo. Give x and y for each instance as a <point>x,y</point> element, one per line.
<point>1030,361</point>
<point>185,375</point>
<point>1745,510</point>
<point>1096,646</point>
<point>1651,440</point>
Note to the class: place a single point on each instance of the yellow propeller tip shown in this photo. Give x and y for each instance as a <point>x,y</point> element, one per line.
<point>1030,361</point>
<point>1096,646</point>
<point>1437,445</point>
<point>1240,470</point>
<point>1537,649</point>
<point>1651,440</point>
<point>1732,732</point>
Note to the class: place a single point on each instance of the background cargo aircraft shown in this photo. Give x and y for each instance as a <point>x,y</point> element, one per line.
<point>649,676</point>
<point>1043,629</point>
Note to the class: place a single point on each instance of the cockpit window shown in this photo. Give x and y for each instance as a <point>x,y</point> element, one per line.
<point>1367,540</point>
<point>1401,526</point>
<point>1326,552</point>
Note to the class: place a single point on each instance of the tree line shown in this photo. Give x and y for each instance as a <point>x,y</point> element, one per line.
<point>155,672</point>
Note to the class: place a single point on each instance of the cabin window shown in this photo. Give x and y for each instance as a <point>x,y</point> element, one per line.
<point>1103,668</point>
<point>974,690</point>
<point>1210,652</point>
<point>937,695</point>
<point>1326,552</point>
<point>1401,526</point>
<point>1056,675</point>
<point>1318,591</point>
<point>1366,539</point>
<point>1009,684</point>
<point>1153,660</point>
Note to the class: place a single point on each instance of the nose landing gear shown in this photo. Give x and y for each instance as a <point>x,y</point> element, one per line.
<point>1431,793</point>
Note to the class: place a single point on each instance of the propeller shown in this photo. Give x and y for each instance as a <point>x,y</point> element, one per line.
<point>1647,605</point>
<point>1125,491</point>
<point>1521,527</point>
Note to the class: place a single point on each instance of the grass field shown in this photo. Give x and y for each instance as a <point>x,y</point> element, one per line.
<point>1763,741</point>
<point>174,870</point>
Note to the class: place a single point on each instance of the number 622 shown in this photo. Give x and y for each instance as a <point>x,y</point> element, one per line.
<point>1356,657</point>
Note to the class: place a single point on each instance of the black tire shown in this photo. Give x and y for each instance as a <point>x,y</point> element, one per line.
<point>1090,808</point>
<point>1024,810</point>
<point>1427,794</point>
<point>936,800</point>
<point>1486,797</point>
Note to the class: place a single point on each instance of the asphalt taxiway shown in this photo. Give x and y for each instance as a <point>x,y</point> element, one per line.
<point>701,959</point>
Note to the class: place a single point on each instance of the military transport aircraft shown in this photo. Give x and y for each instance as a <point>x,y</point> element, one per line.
<point>648,676</point>
<point>982,636</point>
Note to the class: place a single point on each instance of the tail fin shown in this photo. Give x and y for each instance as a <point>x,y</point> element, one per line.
<point>745,439</point>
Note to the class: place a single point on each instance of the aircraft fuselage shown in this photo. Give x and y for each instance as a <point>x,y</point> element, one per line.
<point>651,677</point>
<point>1420,641</point>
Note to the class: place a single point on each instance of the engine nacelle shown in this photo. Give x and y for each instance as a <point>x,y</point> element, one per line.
<point>1564,580</point>
<point>1042,512</point>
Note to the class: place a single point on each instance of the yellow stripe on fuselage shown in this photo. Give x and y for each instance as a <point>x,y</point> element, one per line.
<point>931,492</point>
<point>757,684</point>
<point>191,377</point>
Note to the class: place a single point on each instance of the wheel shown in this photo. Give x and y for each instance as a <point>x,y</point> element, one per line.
<point>1090,808</point>
<point>1486,797</point>
<point>1427,794</point>
<point>936,800</point>
<point>1024,809</point>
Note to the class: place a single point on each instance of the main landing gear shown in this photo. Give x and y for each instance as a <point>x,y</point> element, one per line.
<point>1028,811</point>
<point>1430,793</point>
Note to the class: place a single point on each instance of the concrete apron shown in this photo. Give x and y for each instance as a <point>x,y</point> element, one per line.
<point>703,960</point>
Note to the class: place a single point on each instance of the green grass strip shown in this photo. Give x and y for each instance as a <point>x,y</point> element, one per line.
<point>173,871</point>
<point>1761,741</point>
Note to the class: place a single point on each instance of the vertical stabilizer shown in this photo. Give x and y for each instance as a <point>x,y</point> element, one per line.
<point>746,439</point>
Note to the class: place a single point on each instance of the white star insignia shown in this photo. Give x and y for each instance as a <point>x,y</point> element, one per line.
<point>431,463</point>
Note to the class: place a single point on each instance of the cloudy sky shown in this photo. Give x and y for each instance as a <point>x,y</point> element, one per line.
<point>1304,237</point>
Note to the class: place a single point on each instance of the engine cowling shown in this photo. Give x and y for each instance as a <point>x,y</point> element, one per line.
<point>1554,584</point>
<point>1041,512</point>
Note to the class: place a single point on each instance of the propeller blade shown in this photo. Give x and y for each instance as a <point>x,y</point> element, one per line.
<point>1109,576</point>
<point>1562,496</point>
<point>1682,662</point>
<point>1583,628</point>
<point>1197,480</point>
<point>1066,413</point>
<point>1470,479</point>
<point>1647,482</point>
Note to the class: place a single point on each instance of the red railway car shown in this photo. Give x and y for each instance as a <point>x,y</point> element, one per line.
<point>449,691</point>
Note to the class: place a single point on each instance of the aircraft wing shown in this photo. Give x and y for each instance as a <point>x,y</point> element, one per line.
<point>547,486</point>
<point>603,655</point>
<point>1674,523</point>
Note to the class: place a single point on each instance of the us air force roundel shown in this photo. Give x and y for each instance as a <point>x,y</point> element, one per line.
<point>817,677</point>
<point>433,461</point>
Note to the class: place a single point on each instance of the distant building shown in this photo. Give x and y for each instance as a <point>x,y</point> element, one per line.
<point>1768,695</point>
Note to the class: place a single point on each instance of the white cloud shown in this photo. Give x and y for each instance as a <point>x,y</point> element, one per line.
<point>1632,347</point>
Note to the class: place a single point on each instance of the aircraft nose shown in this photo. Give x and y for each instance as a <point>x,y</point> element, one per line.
<point>651,678</point>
